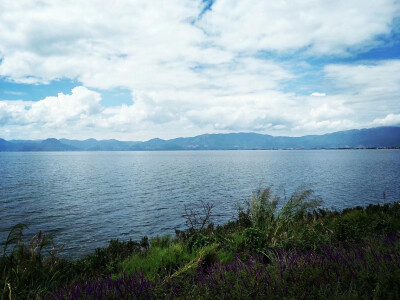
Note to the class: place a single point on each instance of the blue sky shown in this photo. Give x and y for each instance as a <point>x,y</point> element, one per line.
<point>135,70</point>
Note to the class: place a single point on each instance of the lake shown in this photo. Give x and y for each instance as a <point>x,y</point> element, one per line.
<point>85,199</point>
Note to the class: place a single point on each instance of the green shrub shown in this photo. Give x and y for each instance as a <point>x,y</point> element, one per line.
<point>104,261</point>
<point>199,240</point>
<point>254,240</point>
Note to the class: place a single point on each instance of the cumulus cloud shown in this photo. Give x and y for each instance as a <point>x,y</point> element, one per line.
<point>62,109</point>
<point>11,111</point>
<point>155,45</point>
<point>390,119</point>
<point>59,111</point>
<point>81,115</point>
<point>191,72</point>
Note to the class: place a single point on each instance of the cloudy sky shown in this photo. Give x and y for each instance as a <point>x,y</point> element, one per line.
<point>134,70</point>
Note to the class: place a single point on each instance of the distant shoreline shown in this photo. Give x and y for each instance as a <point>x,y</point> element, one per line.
<point>199,150</point>
<point>372,138</point>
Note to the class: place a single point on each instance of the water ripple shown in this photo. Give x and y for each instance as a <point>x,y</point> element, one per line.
<point>87,198</point>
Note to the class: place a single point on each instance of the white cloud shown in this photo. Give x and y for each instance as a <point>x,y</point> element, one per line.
<point>370,89</point>
<point>80,115</point>
<point>390,119</point>
<point>376,78</point>
<point>324,27</point>
<point>189,75</point>
<point>155,45</point>
<point>60,110</point>
<point>315,94</point>
<point>334,109</point>
<point>14,93</point>
<point>55,112</point>
<point>10,112</point>
<point>326,125</point>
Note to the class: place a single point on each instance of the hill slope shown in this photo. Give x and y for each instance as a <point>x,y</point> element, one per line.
<point>380,137</point>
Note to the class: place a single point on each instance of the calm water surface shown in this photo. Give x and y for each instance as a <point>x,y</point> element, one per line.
<point>86,198</point>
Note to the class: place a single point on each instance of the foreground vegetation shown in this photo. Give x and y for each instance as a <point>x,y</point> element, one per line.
<point>297,251</point>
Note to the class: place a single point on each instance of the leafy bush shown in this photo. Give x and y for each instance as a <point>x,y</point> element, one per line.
<point>254,240</point>
<point>105,261</point>
<point>199,240</point>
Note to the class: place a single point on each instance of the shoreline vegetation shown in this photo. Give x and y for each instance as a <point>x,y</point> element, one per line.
<point>299,251</point>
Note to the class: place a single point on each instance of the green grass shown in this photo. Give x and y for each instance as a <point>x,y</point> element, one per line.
<point>159,262</point>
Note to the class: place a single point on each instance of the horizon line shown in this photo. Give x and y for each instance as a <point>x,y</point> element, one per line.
<point>184,137</point>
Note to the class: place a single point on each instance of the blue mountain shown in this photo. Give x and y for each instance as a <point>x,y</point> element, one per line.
<point>379,137</point>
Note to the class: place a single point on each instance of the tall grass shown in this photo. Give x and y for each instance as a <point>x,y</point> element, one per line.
<point>25,272</point>
<point>279,227</point>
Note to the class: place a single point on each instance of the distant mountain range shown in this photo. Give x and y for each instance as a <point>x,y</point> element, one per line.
<point>380,137</point>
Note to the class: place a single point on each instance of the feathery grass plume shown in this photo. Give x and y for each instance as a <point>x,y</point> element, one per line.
<point>15,236</point>
<point>299,204</point>
<point>291,217</point>
<point>25,268</point>
<point>263,207</point>
<point>278,226</point>
<point>37,243</point>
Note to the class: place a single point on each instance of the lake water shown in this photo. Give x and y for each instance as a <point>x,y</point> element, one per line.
<point>85,199</point>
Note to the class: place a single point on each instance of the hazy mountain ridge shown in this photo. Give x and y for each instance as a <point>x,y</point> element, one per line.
<point>99,145</point>
<point>379,137</point>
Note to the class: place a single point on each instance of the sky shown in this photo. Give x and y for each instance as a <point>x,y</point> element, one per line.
<point>136,70</point>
